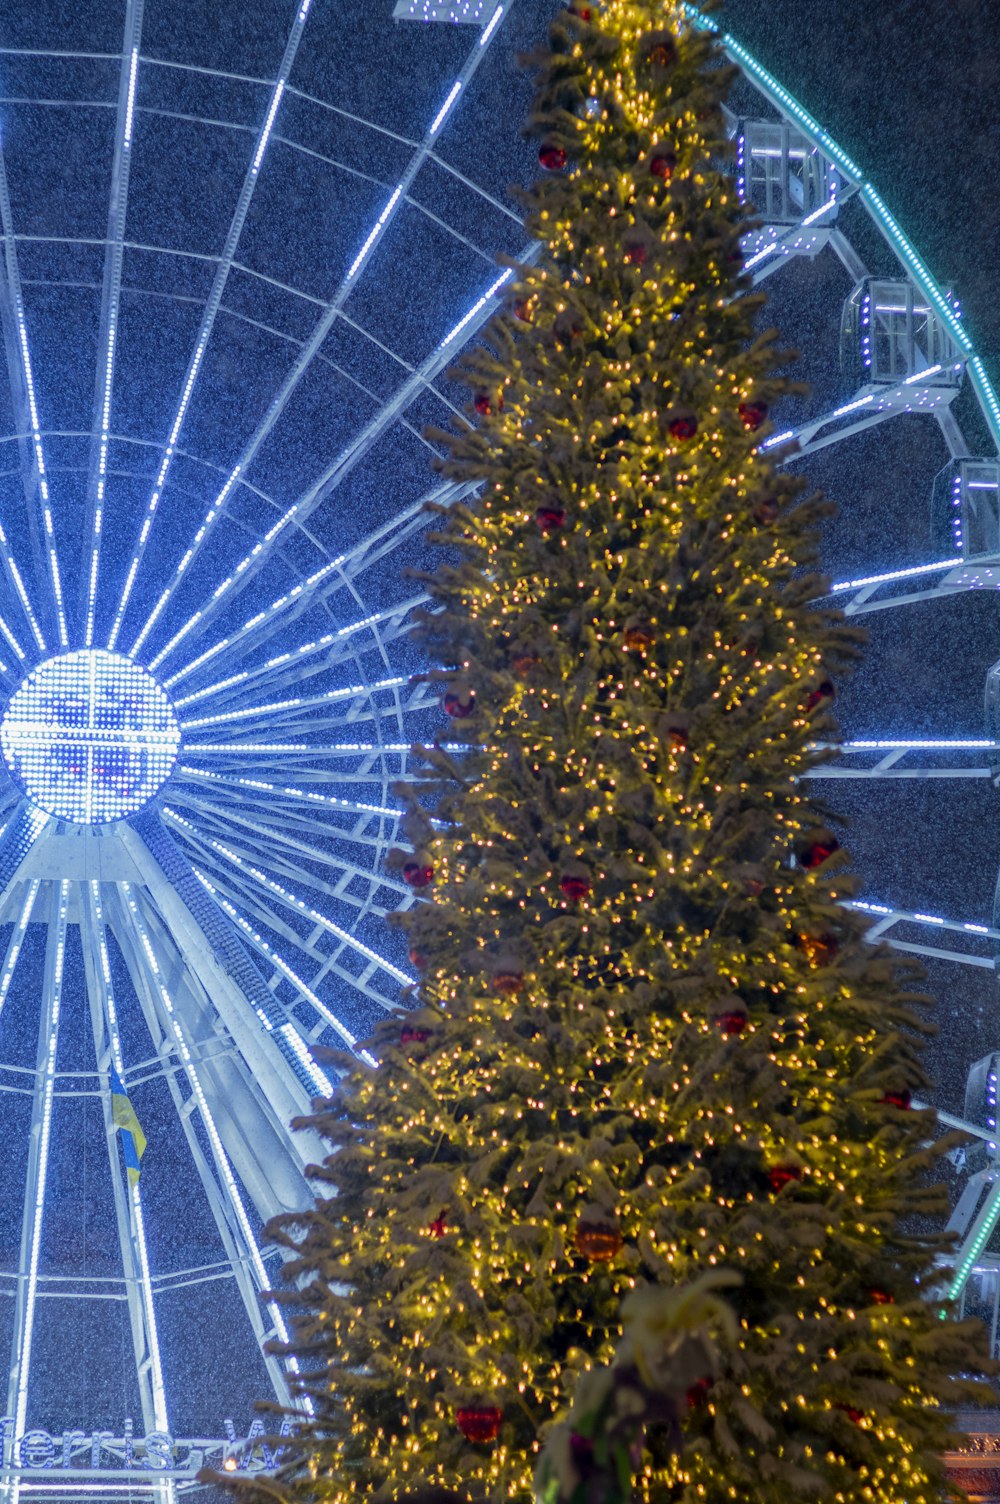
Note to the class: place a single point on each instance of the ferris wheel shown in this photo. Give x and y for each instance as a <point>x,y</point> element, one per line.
<point>235,277</point>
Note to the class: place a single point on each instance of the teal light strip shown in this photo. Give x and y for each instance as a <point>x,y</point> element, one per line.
<point>789,106</point>
<point>989,1217</point>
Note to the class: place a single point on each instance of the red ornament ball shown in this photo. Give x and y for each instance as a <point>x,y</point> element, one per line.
<point>522,311</point>
<point>418,874</point>
<point>417,959</point>
<point>574,886</point>
<point>439,1226</point>
<point>552,157</point>
<point>731,1023</point>
<point>683,427</point>
<point>821,695</point>
<point>639,637</point>
<point>550,519</point>
<point>817,852</point>
<point>599,1242</point>
<point>698,1393</point>
<point>525,664</point>
<point>662,165</point>
<point>582,12</point>
<point>411,1034</point>
<point>483,403</point>
<point>663,55</point>
<point>857,1416</point>
<point>781,1175</point>
<point>902,1099</point>
<point>508,983</point>
<point>819,949</point>
<point>881,1298</point>
<point>635,253</point>
<point>479,1424</point>
<point>459,705</point>
<point>753,414</point>
<point>766,512</point>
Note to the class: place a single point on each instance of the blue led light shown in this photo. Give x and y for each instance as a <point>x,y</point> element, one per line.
<point>89,737</point>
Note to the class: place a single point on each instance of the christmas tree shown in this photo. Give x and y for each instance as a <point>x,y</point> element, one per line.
<point>649,1041</point>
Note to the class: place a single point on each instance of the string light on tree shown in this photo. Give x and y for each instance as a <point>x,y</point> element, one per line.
<point>660,1046</point>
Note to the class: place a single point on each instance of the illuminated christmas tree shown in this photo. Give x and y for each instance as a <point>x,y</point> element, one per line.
<point>649,1041</point>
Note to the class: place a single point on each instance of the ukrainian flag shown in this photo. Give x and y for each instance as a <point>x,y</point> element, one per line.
<point>123,1116</point>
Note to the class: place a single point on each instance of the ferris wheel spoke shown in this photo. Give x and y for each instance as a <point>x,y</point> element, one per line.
<point>337,472</point>
<point>355,703</point>
<point>211,310</point>
<point>299,663</point>
<point>279,825</point>
<point>113,259</point>
<point>127,1196</point>
<point>16,941</point>
<point>36,483</point>
<point>38,1162</point>
<point>321,586</point>
<point>285,794</point>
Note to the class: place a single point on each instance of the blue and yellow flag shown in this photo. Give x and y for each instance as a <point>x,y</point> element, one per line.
<point>123,1116</point>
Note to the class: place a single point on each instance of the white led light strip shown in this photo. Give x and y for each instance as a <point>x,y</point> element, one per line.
<point>113,276</point>
<point>36,1211</point>
<point>135,1201</point>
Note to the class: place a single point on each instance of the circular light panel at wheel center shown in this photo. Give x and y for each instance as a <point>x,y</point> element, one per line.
<point>89,736</point>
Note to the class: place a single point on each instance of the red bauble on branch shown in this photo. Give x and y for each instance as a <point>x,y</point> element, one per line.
<point>552,157</point>
<point>765,512</point>
<point>817,852</point>
<point>439,1226</point>
<point>731,1023</point>
<point>638,636</point>
<point>660,51</point>
<point>636,252</point>
<point>598,1239</point>
<point>508,983</point>
<point>683,427</point>
<point>698,1393</point>
<point>485,404</point>
<point>575,885</point>
<point>418,874</point>
<point>459,703</point>
<point>662,164</point>
<point>549,519</point>
<point>781,1175</point>
<point>819,949</point>
<point>901,1099</point>
<point>821,695</point>
<point>412,1034</point>
<point>417,958</point>
<point>881,1298</point>
<point>479,1424</point>
<point>753,414</point>
<point>525,664</point>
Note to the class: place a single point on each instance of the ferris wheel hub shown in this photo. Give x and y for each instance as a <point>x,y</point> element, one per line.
<point>89,736</point>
